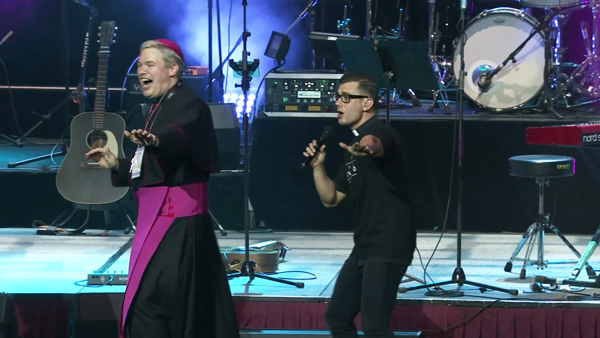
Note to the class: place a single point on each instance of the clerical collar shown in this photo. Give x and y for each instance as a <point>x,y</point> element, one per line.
<point>365,126</point>
<point>168,94</point>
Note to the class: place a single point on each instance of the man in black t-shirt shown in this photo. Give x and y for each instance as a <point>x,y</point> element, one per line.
<point>373,176</point>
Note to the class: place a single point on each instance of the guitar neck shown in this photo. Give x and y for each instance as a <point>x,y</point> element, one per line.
<point>100,103</point>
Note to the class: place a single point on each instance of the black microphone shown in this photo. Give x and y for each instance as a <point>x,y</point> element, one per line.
<point>560,281</point>
<point>485,82</point>
<point>546,280</point>
<point>324,136</point>
<point>536,287</point>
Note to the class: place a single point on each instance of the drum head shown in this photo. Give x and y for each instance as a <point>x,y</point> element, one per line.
<point>490,38</point>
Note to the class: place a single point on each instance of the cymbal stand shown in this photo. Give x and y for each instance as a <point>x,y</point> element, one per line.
<point>586,78</point>
<point>440,66</point>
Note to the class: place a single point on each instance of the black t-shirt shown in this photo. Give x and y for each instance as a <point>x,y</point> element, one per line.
<point>377,188</point>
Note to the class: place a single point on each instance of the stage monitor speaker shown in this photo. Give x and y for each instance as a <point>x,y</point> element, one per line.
<point>227,128</point>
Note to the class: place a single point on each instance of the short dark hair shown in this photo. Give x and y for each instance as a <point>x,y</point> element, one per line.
<point>366,84</point>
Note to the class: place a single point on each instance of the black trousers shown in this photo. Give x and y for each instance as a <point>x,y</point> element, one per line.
<point>368,286</point>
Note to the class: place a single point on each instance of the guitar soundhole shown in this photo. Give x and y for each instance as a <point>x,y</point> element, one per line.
<point>96,139</point>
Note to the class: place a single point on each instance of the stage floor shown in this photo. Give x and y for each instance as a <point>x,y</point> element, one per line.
<point>36,264</point>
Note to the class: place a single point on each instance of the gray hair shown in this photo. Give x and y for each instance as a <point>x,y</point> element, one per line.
<point>169,57</point>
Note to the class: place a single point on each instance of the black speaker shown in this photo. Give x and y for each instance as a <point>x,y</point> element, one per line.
<point>227,128</point>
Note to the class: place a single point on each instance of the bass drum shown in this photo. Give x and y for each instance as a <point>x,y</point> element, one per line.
<point>490,38</point>
<point>550,3</point>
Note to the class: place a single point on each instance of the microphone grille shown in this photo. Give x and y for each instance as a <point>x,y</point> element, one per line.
<point>327,131</point>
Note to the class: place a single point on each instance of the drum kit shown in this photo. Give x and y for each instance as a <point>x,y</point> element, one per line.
<point>513,60</point>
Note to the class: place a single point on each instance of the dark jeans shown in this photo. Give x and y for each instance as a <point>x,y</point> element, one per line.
<point>368,286</point>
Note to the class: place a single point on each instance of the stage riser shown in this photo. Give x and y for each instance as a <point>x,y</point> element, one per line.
<point>307,334</point>
<point>94,316</point>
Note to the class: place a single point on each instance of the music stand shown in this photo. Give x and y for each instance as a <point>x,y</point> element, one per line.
<point>325,48</point>
<point>401,64</point>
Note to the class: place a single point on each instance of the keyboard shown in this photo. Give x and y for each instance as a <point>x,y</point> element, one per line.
<point>575,135</point>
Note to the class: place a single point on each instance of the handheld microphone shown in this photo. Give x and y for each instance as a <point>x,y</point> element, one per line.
<point>6,37</point>
<point>324,136</point>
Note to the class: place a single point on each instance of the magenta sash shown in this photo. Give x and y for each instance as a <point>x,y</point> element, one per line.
<point>157,208</point>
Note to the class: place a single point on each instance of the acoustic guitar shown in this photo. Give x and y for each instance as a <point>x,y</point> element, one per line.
<point>81,180</point>
<point>266,255</point>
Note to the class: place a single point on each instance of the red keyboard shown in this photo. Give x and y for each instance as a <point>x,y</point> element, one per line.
<point>566,135</point>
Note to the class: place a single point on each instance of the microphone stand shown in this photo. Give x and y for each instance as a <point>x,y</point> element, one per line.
<point>458,276</point>
<point>4,136</point>
<point>248,266</point>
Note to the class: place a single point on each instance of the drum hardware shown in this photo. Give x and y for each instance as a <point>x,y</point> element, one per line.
<point>369,23</point>
<point>433,32</point>
<point>440,66</point>
<point>558,51</point>
<point>344,25</point>
<point>585,79</point>
<point>399,30</point>
<point>442,69</point>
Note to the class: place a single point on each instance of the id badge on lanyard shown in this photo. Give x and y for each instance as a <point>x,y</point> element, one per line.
<point>136,162</point>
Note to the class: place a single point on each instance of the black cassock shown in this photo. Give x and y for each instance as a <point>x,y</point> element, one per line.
<point>177,285</point>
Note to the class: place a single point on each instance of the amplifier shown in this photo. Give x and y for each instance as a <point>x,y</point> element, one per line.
<point>301,94</point>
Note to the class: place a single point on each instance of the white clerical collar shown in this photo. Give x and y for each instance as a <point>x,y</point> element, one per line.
<point>355,132</point>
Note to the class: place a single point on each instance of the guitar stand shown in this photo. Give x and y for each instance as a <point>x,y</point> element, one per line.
<point>57,226</point>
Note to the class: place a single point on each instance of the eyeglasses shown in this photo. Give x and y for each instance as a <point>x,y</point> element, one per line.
<point>345,98</point>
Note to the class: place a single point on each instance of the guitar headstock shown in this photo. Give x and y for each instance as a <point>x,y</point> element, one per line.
<point>107,34</point>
